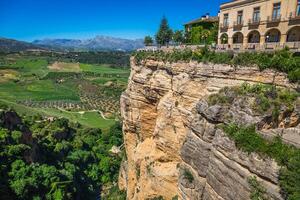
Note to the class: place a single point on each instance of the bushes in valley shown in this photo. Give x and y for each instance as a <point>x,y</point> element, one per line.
<point>283,60</point>
<point>288,157</point>
<point>56,160</point>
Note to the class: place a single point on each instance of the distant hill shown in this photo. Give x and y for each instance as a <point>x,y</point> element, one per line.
<point>94,44</point>
<point>10,45</point>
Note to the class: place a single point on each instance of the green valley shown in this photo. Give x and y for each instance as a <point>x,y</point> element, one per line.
<point>58,85</point>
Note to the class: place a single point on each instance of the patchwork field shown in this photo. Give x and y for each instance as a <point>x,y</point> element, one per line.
<point>84,93</point>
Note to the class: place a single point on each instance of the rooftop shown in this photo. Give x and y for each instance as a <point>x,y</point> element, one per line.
<point>203,19</point>
<point>231,3</point>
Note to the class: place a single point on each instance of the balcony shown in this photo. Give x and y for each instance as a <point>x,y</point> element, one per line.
<point>274,19</point>
<point>224,27</point>
<point>238,25</point>
<point>294,18</point>
<point>254,22</point>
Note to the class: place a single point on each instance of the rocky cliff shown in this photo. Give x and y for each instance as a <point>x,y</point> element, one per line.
<point>174,147</point>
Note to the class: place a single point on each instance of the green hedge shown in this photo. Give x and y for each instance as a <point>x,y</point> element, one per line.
<point>283,60</point>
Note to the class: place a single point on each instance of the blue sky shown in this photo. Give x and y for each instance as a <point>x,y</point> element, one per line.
<point>37,19</point>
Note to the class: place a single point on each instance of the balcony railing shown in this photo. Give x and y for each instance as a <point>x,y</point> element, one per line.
<point>238,24</point>
<point>253,46</point>
<point>274,19</point>
<point>294,16</point>
<point>224,27</point>
<point>272,46</point>
<point>293,45</point>
<point>237,46</point>
<point>254,22</point>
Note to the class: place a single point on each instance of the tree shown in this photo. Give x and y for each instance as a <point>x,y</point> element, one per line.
<point>178,37</point>
<point>196,34</point>
<point>148,41</point>
<point>204,35</point>
<point>164,34</point>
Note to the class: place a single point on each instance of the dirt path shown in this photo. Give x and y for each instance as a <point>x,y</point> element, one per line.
<point>83,112</point>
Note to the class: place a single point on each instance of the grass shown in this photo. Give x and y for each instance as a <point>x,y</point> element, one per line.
<point>39,90</point>
<point>103,69</point>
<point>88,119</point>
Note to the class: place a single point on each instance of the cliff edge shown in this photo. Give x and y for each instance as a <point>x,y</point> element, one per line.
<point>174,146</point>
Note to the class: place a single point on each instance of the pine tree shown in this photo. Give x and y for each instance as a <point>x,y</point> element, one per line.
<point>164,34</point>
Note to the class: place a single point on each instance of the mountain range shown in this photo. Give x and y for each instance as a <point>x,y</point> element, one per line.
<point>99,43</point>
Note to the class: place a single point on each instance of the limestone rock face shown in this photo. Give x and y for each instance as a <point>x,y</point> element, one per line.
<point>170,129</point>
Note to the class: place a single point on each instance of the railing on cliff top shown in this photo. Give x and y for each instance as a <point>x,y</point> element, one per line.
<point>293,46</point>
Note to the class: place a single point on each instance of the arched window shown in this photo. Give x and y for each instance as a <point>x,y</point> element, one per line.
<point>238,38</point>
<point>273,35</point>
<point>254,37</point>
<point>224,38</point>
<point>293,34</point>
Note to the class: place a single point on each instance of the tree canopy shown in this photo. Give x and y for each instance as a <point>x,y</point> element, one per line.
<point>164,34</point>
<point>148,41</point>
<point>43,159</point>
<point>178,37</point>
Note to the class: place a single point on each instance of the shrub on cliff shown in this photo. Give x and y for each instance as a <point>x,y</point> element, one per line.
<point>288,157</point>
<point>283,60</point>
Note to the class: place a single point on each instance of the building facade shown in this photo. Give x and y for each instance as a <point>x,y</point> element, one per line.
<point>206,21</point>
<point>259,25</point>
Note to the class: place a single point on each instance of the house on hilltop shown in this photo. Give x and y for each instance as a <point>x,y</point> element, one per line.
<point>206,21</point>
<point>202,31</point>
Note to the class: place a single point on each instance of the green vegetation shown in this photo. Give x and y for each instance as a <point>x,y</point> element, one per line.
<point>288,157</point>
<point>164,34</point>
<point>148,41</point>
<point>42,159</point>
<point>175,197</point>
<point>267,97</point>
<point>116,194</point>
<point>102,58</point>
<point>81,92</point>
<point>258,192</point>
<point>283,60</point>
<point>188,175</point>
<point>178,37</point>
<point>201,35</point>
<point>275,104</point>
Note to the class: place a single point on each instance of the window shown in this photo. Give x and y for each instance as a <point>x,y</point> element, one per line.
<point>225,21</point>
<point>276,11</point>
<point>256,14</point>
<point>298,8</point>
<point>240,17</point>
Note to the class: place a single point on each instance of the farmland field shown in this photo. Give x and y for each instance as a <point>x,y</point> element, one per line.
<point>52,87</point>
